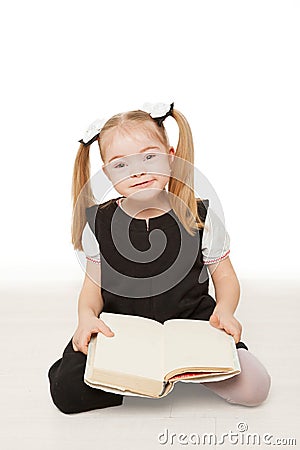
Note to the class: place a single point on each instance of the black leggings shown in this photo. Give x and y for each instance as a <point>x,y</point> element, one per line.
<point>68,390</point>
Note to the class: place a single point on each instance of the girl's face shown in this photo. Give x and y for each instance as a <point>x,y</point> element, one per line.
<point>137,163</point>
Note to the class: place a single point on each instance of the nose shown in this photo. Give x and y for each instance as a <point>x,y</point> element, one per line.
<point>137,169</point>
<point>137,173</point>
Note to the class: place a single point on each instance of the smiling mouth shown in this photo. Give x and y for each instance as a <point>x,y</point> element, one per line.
<point>145,183</point>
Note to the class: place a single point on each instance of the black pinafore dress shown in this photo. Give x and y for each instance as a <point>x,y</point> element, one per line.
<point>153,271</point>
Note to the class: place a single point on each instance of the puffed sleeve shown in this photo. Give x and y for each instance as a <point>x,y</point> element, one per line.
<point>89,242</point>
<point>90,245</point>
<point>215,240</point>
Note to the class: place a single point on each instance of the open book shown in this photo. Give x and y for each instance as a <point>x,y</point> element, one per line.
<point>146,358</point>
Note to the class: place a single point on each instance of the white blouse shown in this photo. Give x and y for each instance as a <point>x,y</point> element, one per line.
<point>215,240</point>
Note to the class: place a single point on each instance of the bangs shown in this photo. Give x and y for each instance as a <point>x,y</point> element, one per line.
<point>129,127</point>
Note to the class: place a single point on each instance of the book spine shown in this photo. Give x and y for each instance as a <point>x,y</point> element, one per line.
<point>166,383</point>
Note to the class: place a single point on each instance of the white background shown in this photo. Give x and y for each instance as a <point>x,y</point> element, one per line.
<point>232,68</point>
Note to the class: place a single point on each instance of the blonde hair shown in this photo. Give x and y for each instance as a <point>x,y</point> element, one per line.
<point>181,182</point>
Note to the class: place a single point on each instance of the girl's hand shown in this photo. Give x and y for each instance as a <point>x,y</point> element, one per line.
<point>85,330</point>
<point>226,321</point>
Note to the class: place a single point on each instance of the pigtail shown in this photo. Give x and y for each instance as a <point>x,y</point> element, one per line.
<point>181,183</point>
<point>82,195</point>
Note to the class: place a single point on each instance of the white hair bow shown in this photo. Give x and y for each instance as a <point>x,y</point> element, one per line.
<point>158,112</point>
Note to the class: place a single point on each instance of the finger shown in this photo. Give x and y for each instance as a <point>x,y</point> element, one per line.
<point>234,332</point>
<point>74,347</point>
<point>79,344</point>
<point>82,347</point>
<point>87,340</point>
<point>214,320</point>
<point>237,336</point>
<point>237,328</point>
<point>105,329</point>
<point>85,349</point>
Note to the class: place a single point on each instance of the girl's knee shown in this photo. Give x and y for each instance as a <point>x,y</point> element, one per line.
<point>254,381</point>
<point>252,393</point>
<point>71,395</point>
<point>62,391</point>
<point>250,387</point>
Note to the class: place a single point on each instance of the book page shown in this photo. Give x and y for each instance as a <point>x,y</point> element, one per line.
<point>136,348</point>
<point>195,343</point>
<point>115,390</point>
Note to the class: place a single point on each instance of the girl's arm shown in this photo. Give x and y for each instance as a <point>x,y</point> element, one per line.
<point>226,284</point>
<point>227,293</point>
<point>90,304</point>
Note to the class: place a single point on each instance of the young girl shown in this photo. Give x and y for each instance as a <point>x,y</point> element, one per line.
<point>148,252</point>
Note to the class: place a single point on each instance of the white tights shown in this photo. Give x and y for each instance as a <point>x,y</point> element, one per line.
<point>250,387</point>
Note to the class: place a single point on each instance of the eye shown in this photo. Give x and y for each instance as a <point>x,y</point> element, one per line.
<point>152,155</point>
<point>119,166</point>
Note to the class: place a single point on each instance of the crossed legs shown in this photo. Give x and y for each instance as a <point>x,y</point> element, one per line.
<point>71,395</point>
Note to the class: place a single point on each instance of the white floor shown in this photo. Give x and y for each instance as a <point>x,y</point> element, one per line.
<point>38,320</point>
